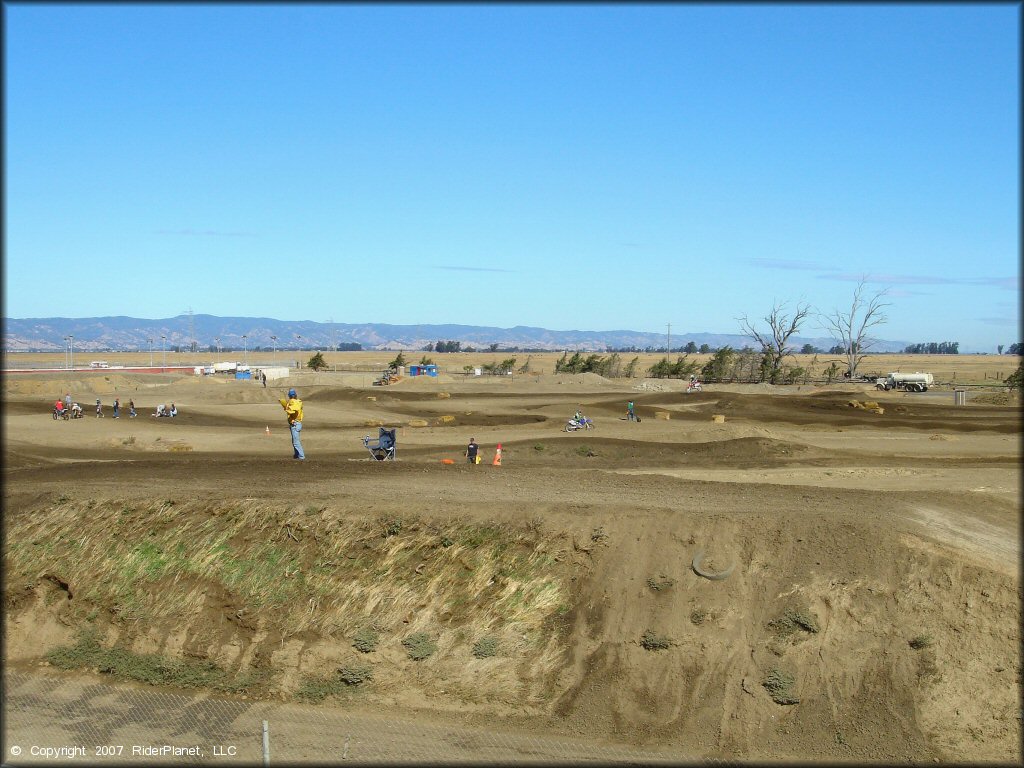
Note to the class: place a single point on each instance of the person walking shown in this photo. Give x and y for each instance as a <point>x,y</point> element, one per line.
<point>117,408</point>
<point>472,450</point>
<point>293,408</point>
<point>131,409</point>
<point>99,410</point>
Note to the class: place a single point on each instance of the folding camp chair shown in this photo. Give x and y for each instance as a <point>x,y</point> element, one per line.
<point>383,448</point>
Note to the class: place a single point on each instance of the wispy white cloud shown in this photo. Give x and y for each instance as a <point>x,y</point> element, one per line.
<point>1006,283</point>
<point>204,233</point>
<point>799,264</point>
<point>473,269</point>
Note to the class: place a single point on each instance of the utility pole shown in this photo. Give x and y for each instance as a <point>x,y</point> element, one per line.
<point>191,331</point>
<point>668,341</point>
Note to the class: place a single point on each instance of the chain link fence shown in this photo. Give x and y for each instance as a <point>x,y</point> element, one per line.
<point>51,720</point>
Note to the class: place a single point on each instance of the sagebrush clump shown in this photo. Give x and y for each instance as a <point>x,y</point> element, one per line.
<point>419,646</point>
<point>365,640</point>
<point>485,647</point>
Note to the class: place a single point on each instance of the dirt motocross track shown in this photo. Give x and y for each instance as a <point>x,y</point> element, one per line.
<point>870,611</point>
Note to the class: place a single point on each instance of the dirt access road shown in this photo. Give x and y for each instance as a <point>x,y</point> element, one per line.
<point>871,611</point>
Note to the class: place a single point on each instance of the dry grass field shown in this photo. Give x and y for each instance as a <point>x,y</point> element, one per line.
<point>821,573</point>
<point>947,369</point>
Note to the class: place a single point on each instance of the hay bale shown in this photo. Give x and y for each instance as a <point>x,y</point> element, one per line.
<point>447,419</point>
<point>373,423</point>
<point>665,415</point>
<point>443,395</point>
<point>372,397</point>
<point>718,418</point>
<point>879,410</point>
<point>870,405</point>
<point>855,404</point>
<point>418,423</point>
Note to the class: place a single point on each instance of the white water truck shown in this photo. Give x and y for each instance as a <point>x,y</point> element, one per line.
<point>911,382</point>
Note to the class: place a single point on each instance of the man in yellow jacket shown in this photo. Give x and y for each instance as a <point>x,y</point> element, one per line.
<point>293,408</point>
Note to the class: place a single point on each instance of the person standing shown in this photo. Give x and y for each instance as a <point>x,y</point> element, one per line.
<point>131,409</point>
<point>472,450</point>
<point>58,409</point>
<point>117,408</point>
<point>67,401</point>
<point>99,409</point>
<point>630,413</point>
<point>293,409</point>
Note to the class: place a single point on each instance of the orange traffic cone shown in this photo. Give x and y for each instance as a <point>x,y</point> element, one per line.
<point>497,457</point>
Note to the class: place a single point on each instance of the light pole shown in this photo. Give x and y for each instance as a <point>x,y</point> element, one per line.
<point>274,339</point>
<point>150,340</point>
<point>245,350</point>
<point>217,342</point>
<point>66,339</point>
<point>163,348</point>
<point>72,340</point>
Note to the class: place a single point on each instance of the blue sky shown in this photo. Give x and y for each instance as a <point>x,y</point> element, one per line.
<point>565,166</point>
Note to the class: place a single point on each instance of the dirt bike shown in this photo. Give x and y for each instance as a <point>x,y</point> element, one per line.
<point>584,423</point>
<point>694,386</point>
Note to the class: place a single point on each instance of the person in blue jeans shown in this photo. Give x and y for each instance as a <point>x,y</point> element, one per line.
<point>293,409</point>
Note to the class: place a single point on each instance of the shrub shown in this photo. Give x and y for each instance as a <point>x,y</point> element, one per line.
<point>780,687</point>
<point>356,674</point>
<point>419,646</point>
<point>920,641</point>
<point>486,647</point>
<point>365,640</point>
<point>658,583</point>
<point>652,642</point>
<point>792,620</point>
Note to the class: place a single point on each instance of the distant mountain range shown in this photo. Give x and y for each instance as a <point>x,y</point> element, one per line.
<point>128,334</point>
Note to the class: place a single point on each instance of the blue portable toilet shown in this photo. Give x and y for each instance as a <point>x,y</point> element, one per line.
<point>430,370</point>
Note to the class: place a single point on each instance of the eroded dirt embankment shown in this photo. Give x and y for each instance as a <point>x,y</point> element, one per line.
<point>883,646</point>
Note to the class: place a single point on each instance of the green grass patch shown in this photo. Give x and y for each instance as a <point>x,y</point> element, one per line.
<point>920,641</point>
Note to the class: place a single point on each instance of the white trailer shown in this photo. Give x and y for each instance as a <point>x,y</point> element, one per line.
<point>225,367</point>
<point>911,382</point>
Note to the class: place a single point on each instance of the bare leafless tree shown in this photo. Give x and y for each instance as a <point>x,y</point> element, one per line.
<point>774,341</point>
<point>851,328</point>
